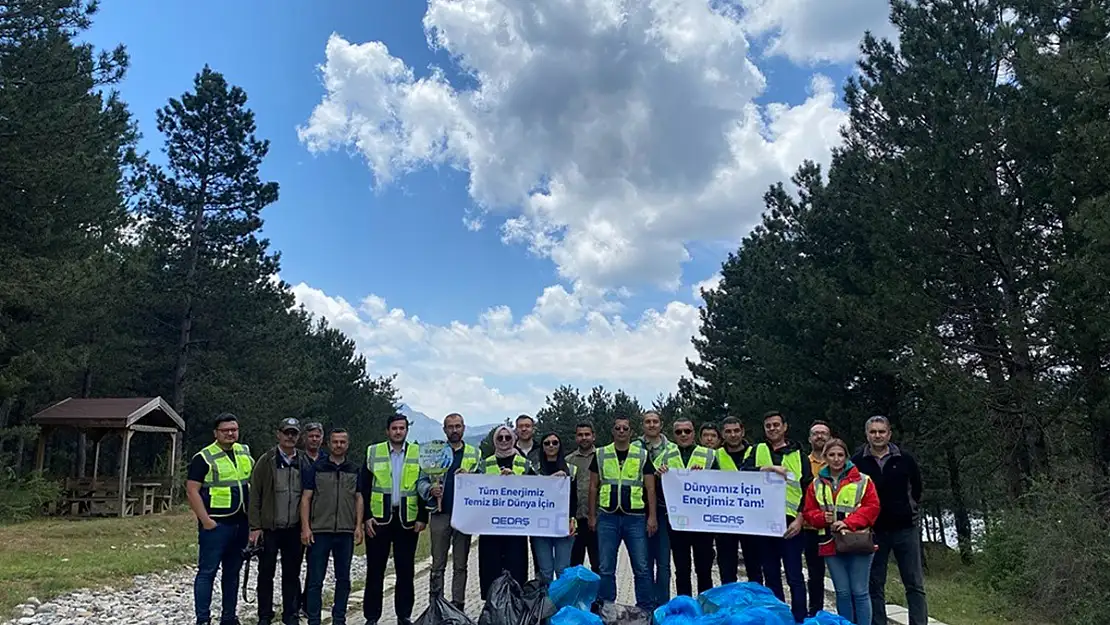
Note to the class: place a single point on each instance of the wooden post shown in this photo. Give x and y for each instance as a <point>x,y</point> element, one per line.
<point>173,466</point>
<point>96,460</point>
<point>125,456</point>
<point>40,451</point>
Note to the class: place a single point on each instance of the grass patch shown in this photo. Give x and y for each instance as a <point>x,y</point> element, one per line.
<point>956,593</point>
<point>48,557</point>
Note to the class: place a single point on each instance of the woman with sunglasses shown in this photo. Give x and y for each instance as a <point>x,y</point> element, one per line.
<point>553,553</point>
<point>503,553</point>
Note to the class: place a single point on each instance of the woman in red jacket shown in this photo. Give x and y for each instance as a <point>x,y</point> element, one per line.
<point>842,500</point>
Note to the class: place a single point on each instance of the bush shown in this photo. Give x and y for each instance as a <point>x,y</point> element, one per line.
<point>1050,554</point>
<point>26,497</point>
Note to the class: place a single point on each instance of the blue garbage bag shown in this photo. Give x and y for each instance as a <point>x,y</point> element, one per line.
<point>758,615</point>
<point>737,596</point>
<point>680,605</point>
<point>826,618</point>
<point>571,615</point>
<point>576,586</point>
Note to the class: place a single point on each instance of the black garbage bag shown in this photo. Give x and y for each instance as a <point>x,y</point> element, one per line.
<point>504,605</point>
<point>612,613</point>
<point>537,606</point>
<point>442,612</point>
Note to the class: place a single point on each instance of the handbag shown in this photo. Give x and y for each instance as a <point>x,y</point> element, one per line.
<point>854,542</point>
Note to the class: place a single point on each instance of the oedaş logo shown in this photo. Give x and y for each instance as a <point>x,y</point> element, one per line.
<point>510,521</point>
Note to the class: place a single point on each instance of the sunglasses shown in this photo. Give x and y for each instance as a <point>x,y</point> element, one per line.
<point>551,443</point>
<point>504,438</point>
<point>684,431</point>
<point>620,428</point>
<point>290,432</point>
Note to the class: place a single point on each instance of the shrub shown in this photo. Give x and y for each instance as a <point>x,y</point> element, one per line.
<point>25,497</point>
<point>1049,553</point>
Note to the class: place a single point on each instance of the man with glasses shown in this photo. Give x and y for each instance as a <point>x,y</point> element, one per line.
<point>275,522</point>
<point>685,454</point>
<point>622,509</point>
<point>217,485</point>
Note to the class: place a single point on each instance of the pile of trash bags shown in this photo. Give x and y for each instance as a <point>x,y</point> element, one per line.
<point>572,600</point>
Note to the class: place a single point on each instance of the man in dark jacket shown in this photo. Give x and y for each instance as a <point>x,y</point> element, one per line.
<point>275,521</point>
<point>331,524</point>
<point>898,481</point>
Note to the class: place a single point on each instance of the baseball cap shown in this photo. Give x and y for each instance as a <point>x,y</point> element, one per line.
<point>289,424</point>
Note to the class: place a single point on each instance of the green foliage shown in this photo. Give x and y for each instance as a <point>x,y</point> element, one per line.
<point>1051,551</point>
<point>566,407</point>
<point>119,277</point>
<point>25,497</point>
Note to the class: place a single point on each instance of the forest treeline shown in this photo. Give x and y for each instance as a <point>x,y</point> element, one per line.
<point>949,269</point>
<point>140,275</point>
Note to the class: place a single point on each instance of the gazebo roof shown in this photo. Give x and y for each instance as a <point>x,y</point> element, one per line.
<point>130,413</point>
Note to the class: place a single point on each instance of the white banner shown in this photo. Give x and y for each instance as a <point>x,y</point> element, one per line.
<point>511,505</point>
<point>726,502</point>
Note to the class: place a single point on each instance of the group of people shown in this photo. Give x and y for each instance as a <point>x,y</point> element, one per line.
<point>317,504</point>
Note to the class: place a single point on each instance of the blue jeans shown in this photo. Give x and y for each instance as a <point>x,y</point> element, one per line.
<point>778,554</point>
<point>632,529</point>
<point>552,556</point>
<point>659,561</point>
<point>851,574</point>
<point>221,546</point>
<point>341,547</point>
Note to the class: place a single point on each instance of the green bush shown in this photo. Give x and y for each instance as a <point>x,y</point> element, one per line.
<point>26,497</point>
<point>1050,553</point>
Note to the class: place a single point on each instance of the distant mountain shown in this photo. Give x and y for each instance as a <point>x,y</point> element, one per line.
<point>421,426</point>
<point>424,428</point>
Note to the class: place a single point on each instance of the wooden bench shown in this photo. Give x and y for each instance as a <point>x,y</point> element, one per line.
<point>101,505</point>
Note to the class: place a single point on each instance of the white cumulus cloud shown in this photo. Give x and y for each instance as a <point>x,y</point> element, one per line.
<point>604,134</point>
<point>560,341</point>
<point>806,31</point>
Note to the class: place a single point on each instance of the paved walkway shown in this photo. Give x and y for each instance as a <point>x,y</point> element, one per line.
<point>625,592</point>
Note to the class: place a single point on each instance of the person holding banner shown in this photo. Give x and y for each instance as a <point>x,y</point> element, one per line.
<point>622,485</point>
<point>684,454</point>
<point>731,457</point>
<point>553,554</point>
<point>395,519</point>
<point>843,504</point>
<point>503,553</point>
<point>780,455</point>
<point>441,498</point>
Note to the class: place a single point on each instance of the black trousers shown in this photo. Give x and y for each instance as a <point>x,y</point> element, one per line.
<point>701,545</point>
<point>402,541</point>
<point>287,543</point>
<point>815,573</point>
<point>729,547</point>
<point>501,553</point>
<point>585,543</point>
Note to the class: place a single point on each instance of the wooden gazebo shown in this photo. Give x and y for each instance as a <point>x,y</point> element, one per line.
<point>96,419</point>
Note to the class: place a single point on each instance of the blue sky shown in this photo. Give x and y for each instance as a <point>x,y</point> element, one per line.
<point>650,134</point>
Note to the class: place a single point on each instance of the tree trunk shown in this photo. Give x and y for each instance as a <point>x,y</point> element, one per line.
<point>196,240</point>
<point>959,505</point>
<point>82,436</point>
<point>943,535</point>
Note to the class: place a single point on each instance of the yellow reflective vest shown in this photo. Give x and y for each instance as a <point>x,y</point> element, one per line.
<point>227,484</point>
<point>701,457</point>
<point>520,465</point>
<point>381,491</point>
<point>792,462</point>
<point>725,461</point>
<point>622,484</point>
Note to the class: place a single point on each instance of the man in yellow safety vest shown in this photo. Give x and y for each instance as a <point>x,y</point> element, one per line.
<point>217,485</point>
<point>731,457</point>
<point>683,453</point>
<point>394,520</point>
<point>783,456</point>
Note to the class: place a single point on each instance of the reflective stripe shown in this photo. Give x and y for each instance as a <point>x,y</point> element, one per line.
<point>792,462</point>
<point>520,465</point>
<point>225,478</point>
<point>622,484</point>
<point>380,465</point>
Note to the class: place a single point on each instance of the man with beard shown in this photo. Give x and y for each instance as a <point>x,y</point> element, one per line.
<point>731,457</point>
<point>585,539</point>
<point>440,498</point>
<point>819,433</point>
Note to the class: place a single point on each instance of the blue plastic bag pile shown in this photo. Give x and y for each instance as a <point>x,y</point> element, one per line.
<point>740,603</point>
